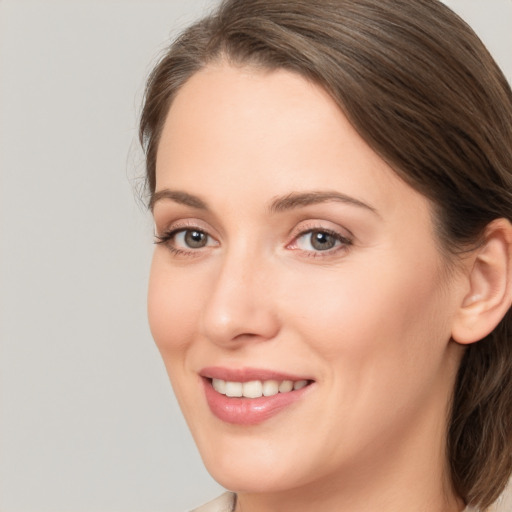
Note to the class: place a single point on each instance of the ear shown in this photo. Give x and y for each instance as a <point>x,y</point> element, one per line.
<point>489,294</point>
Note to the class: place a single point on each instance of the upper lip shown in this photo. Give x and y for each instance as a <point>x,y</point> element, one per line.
<point>247,374</point>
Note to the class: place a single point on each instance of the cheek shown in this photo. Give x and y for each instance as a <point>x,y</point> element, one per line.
<point>373,314</point>
<point>373,333</point>
<point>173,307</point>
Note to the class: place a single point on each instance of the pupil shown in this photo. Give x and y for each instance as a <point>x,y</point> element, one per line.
<point>195,239</point>
<point>322,241</point>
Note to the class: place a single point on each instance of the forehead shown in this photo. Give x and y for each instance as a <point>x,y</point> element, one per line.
<point>238,130</point>
<point>260,102</point>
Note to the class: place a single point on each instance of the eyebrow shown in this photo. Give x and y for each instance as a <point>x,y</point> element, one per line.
<point>280,204</point>
<point>301,199</point>
<point>178,197</point>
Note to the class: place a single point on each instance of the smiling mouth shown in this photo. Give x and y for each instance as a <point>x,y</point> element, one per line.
<point>250,402</point>
<point>256,388</point>
<point>248,396</point>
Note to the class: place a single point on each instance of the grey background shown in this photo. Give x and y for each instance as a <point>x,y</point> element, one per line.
<point>87,418</point>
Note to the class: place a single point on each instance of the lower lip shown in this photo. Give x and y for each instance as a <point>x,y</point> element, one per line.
<point>249,411</point>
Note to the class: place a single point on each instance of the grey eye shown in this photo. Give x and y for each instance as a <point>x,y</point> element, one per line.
<point>193,239</point>
<point>322,241</point>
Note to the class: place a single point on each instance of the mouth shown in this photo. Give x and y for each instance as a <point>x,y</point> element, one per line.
<point>249,397</point>
<point>257,388</point>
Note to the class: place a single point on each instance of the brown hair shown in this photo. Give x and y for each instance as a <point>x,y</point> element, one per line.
<point>422,90</point>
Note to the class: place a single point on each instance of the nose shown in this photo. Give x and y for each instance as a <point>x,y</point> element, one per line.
<point>240,305</point>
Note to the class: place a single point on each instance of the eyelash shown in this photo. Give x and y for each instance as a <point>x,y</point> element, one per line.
<point>167,238</point>
<point>344,242</point>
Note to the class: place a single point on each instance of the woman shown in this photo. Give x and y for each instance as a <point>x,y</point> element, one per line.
<point>330,289</point>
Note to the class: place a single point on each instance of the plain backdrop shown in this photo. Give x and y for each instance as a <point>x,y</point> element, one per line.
<point>88,421</point>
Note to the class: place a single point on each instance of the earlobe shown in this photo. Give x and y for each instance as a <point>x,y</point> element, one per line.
<point>490,285</point>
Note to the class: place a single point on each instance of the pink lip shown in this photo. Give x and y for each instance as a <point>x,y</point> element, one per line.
<point>247,374</point>
<point>248,411</point>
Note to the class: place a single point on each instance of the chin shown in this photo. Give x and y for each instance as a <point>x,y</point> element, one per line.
<point>248,478</point>
<point>257,464</point>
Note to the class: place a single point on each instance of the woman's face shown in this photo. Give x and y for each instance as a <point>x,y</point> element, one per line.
<point>291,252</point>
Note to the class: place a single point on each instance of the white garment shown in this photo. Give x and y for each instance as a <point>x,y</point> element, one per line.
<point>223,503</point>
<point>226,502</point>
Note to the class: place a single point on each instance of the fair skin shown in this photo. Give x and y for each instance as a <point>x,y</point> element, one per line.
<point>291,247</point>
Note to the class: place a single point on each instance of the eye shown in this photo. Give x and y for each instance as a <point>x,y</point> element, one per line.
<point>186,240</point>
<point>317,241</point>
<point>320,240</point>
<point>191,238</point>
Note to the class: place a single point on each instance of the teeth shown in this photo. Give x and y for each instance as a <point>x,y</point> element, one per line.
<point>233,388</point>
<point>300,384</point>
<point>252,389</point>
<point>270,387</point>
<point>256,388</point>
<point>219,385</point>
<point>285,386</point>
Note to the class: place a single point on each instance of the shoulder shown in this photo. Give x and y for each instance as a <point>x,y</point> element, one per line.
<point>503,503</point>
<point>223,503</point>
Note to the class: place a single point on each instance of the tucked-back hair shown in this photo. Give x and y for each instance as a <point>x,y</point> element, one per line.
<point>422,90</point>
